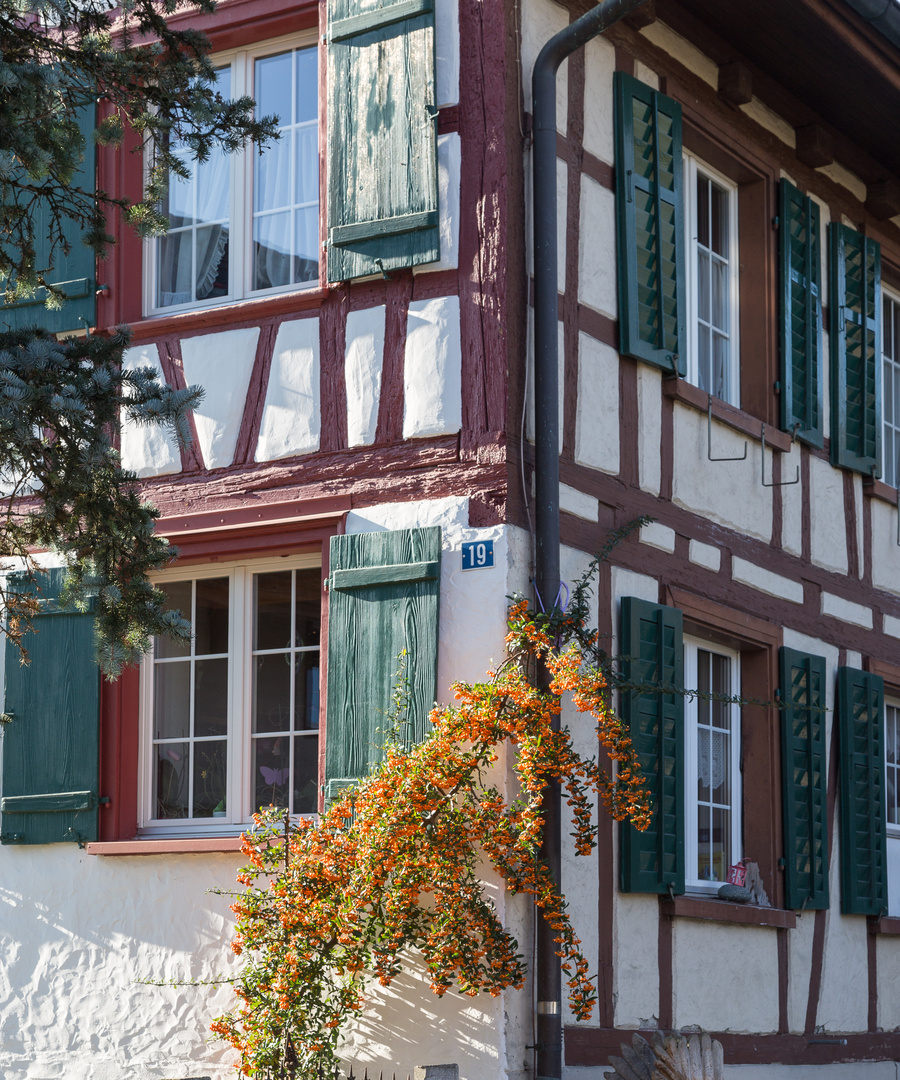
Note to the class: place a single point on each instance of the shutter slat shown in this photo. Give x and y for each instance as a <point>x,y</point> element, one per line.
<point>653,656</point>
<point>863,822</point>
<point>382,138</point>
<point>51,757</point>
<point>804,779</point>
<point>383,600</point>
<point>855,268</point>
<point>801,315</point>
<point>650,233</point>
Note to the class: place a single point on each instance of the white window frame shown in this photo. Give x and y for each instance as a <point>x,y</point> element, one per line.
<point>691,646</point>
<point>889,469</point>
<point>240,268</point>
<point>239,786</point>
<point>694,168</point>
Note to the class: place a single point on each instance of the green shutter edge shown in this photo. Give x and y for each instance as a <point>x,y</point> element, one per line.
<point>671,361</point>
<point>807,426</point>
<point>862,781</point>
<point>842,455</point>
<point>805,806</point>
<point>641,854</point>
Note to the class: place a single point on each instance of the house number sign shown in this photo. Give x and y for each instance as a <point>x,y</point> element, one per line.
<point>477,554</point>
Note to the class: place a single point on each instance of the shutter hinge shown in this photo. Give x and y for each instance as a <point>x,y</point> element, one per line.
<point>326,584</point>
<point>104,800</point>
<point>781,863</point>
<point>77,837</point>
<point>778,694</point>
<point>776,223</point>
<point>776,386</point>
<point>12,837</point>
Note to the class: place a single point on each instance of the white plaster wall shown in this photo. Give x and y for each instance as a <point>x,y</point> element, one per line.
<point>599,65</point>
<point>580,873</point>
<point>448,177</point>
<point>432,369</point>
<point>649,421</point>
<point>860,511</point>
<point>714,967</point>
<point>597,422</point>
<point>541,19</point>
<point>635,958</point>
<point>596,248</point>
<point>682,50</point>
<point>770,120</point>
<point>827,519</point>
<point>147,449</point>
<point>363,362</point>
<point>291,419</point>
<point>887,962</point>
<point>222,364</point>
<point>792,503</point>
<point>844,997</point>
<point>78,931</point>
<point>729,492</point>
<point>885,550</point>
<point>860,1070</point>
<point>446,52</point>
<point>800,943</point>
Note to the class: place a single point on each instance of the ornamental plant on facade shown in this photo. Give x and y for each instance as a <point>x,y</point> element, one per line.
<point>397,864</point>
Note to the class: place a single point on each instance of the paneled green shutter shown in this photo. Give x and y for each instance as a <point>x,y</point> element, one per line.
<point>75,273</point>
<point>51,746</point>
<point>384,589</point>
<point>382,137</point>
<point>653,655</point>
<point>804,779</point>
<point>801,315</point>
<point>855,310</point>
<point>863,825</point>
<point>650,225</point>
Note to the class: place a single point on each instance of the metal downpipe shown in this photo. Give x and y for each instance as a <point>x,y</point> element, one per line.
<point>548,977</point>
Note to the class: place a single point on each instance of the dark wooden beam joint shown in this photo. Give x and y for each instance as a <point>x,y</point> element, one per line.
<point>883,199</point>
<point>815,147</point>
<point>642,16</point>
<point>736,83</point>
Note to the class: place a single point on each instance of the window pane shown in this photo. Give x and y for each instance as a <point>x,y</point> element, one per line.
<point>307,103</point>
<point>210,775</point>
<point>272,189</point>
<point>703,211</point>
<point>211,262</point>
<point>306,691</point>
<point>172,700</point>
<point>211,620</point>
<point>272,87</point>
<point>272,251</point>
<point>172,780</point>
<point>272,692</point>
<point>273,610</point>
<point>309,606</point>
<point>721,844</point>
<point>719,226</point>
<point>306,774</point>
<point>178,597</point>
<point>271,772</point>
<point>210,698</point>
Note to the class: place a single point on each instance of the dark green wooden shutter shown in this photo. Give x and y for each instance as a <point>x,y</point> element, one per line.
<point>51,746</point>
<point>384,589</point>
<point>855,319</point>
<point>804,779</point>
<point>382,137</point>
<point>653,655</point>
<point>801,315</point>
<point>863,825</point>
<point>650,225</point>
<point>75,273</point>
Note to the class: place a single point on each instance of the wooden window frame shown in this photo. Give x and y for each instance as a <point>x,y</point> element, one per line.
<point>757,640</point>
<point>269,530</point>
<point>240,62</point>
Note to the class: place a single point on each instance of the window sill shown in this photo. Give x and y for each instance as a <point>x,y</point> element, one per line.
<point>693,907</point>
<point>886,924</point>
<point>878,489</point>
<point>692,396</point>
<point>170,846</point>
<point>156,326</point>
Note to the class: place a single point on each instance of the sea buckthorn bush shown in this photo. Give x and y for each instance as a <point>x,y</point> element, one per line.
<point>396,865</point>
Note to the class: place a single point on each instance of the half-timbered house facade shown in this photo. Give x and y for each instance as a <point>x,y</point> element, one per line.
<point>357,304</point>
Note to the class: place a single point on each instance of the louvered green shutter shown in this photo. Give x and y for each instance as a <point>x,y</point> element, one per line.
<point>51,746</point>
<point>382,137</point>
<point>650,232</point>
<point>653,656</point>
<point>862,802</point>
<point>383,599</point>
<point>855,310</point>
<point>801,315</point>
<point>804,779</point>
<point>75,273</point>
